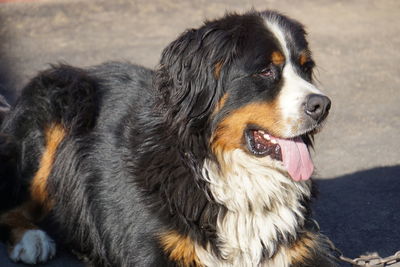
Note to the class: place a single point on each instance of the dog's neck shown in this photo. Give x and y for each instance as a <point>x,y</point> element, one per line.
<point>264,209</point>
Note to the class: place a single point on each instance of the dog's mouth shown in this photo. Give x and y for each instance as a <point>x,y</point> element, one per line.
<point>261,143</point>
<point>292,152</point>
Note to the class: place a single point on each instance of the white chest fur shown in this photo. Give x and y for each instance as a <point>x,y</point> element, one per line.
<point>262,204</point>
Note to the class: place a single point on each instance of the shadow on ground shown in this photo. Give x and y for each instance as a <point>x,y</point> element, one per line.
<point>360,211</point>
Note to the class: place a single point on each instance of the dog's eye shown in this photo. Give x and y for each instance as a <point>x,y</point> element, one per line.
<point>267,72</point>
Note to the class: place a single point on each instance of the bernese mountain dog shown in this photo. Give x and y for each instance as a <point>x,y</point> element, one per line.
<point>202,162</point>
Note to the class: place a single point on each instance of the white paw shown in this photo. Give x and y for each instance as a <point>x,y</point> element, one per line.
<point>34,247</point>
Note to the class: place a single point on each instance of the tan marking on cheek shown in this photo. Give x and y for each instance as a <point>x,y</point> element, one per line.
<point>229,132</point>
<point>53,137</point>
<point>277,58</point>
<point>181,249</point>
<point>303,248</point>
<point>217,69</point>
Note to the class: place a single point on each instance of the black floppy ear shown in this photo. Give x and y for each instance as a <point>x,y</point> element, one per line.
<point>186,80</point>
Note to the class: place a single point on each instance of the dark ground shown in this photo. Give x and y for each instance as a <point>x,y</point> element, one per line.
<point>356,46</point>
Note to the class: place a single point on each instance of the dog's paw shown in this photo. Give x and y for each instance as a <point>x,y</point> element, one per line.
<point>34,247</point>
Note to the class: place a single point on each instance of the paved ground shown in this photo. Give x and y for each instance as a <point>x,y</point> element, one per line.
<point>356,46</point>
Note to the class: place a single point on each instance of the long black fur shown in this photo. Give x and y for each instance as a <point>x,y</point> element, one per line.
<point>130,166</point>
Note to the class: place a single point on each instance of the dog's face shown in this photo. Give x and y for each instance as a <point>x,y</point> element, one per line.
<point>255,75</point>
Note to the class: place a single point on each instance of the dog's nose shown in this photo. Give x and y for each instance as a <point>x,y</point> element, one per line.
<point>317,106</point>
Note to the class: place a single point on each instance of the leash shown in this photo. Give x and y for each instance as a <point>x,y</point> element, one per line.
<point>372,260</point>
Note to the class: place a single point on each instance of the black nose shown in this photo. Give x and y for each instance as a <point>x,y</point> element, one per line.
<point>317,106</point>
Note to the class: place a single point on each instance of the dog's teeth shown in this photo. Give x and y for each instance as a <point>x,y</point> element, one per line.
<point>261,131</point>
<point>266,136</point>
<point>274,141</point>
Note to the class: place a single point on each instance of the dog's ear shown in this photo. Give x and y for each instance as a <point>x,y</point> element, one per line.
<point>189,77</point>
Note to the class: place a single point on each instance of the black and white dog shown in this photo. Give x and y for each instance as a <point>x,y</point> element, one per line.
<point>202,162</point>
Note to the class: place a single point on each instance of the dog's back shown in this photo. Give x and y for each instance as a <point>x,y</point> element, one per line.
<point>59,140</point>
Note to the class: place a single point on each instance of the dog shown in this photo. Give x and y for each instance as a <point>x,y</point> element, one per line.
<point>203,161</point>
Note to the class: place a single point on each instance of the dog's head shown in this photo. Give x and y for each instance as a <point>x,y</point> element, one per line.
<point>245,81</point>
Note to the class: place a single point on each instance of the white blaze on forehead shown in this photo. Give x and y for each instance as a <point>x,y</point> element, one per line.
<point>295,89</point>
<point>277,31</point>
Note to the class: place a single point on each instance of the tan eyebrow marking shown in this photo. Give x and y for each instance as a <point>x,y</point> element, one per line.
<point>304,57</point>
<point>277,58</point>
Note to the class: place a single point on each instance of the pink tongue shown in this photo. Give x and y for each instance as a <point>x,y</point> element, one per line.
<point>296,158</point>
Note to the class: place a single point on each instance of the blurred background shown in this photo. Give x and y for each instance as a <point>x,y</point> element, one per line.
<point>356,46</point>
